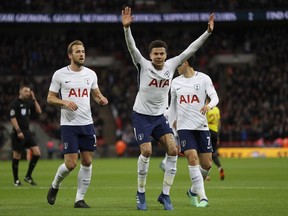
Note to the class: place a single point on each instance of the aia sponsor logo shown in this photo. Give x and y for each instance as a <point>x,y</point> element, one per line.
<point>78,92</point>
<point>159,83</point>
<point>189,99</point>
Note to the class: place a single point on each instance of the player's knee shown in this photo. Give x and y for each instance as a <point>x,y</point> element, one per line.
<point>207,165</point>
<point>193,161</point>
<point>37,154</point>
<point>71,165</point>
<point>146,151</point>
<point>86,163</point>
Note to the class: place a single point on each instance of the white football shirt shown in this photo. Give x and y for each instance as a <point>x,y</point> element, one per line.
<point>76,87</point>
<point>154,85</point>
<point>188,96</point>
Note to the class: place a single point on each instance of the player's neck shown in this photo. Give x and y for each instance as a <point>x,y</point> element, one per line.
<point>157,67</point>
<point>189,73</point>
<point>75,67</point>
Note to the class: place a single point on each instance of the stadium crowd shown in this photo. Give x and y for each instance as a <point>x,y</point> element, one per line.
<point>252,96</point>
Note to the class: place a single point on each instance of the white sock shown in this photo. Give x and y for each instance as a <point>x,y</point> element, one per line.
<point>165,159</point>
<point>143,165</point>
<point>61,173</point>
<point>204,172</point>
<point>84,178</point>
<point>170,172</point>
<point>193,190</point>
<point>197,182</point>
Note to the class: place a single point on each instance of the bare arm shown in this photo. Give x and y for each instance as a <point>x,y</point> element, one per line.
<point>53,99</point>
<point>98,97</point>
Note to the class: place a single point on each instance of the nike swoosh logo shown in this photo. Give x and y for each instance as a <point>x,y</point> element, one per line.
<point>67,81</point>
<point>178,88</point>
<point>209,147</point>
<point>152,71</point>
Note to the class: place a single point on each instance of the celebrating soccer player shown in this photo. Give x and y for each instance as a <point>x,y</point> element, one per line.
<point>155,77</point>
<point>188,100</point>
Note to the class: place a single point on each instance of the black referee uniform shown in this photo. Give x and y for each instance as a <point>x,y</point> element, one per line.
<point>21,110</point>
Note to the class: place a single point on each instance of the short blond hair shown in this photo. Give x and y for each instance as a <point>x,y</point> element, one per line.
<point>73,43</point>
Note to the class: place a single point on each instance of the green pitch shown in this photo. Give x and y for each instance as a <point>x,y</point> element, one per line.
<point>251,187</point>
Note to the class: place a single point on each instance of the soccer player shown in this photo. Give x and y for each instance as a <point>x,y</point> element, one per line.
<point>188,93</point>
<point>21,135</point>
<point>213,118</point>
<point>151,101</point>
<point>70,88</point>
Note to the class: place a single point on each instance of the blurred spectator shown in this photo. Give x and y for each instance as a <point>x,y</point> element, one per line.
<point>50,149</point>
<point>120,147</point>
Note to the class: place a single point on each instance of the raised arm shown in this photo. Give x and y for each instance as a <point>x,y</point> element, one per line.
<point>127,19</point>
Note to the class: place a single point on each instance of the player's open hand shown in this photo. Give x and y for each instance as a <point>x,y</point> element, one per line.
<point>211,23</point>
<point>127,18</point>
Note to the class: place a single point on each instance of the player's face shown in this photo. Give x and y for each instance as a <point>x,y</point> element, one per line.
<point>158,56</point>
<point>25,93</point>
<point>78,55</point>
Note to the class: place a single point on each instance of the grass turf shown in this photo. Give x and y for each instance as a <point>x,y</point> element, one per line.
<point>251,187</point>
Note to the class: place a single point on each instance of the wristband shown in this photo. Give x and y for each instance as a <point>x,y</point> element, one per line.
<point>18,131</point>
